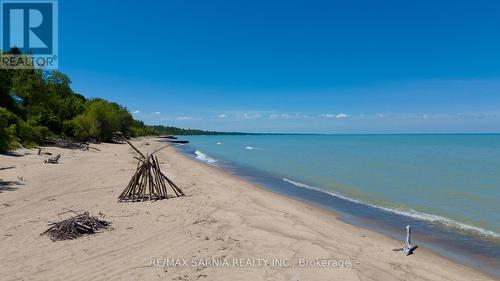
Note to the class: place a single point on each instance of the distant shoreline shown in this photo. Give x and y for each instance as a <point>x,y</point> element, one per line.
<point>215,133</point>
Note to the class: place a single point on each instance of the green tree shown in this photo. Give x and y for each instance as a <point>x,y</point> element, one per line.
<point>45,106</point>
<point>100,120</point>
<point>6,100</point>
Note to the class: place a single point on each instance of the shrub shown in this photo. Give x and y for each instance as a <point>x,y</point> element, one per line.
<point>30,133</point>
<point>8,122</point>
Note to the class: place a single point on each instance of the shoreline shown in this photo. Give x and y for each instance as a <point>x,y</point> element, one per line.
<point>223,216</point>
<point>459,247</point>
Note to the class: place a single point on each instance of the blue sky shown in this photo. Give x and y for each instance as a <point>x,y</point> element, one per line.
<point>290,66</point>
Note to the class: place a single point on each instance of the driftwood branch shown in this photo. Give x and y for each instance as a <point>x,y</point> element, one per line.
<point>407,248</point>
<point>53,160</point>
<point>120,135</point>
<point>161,148</point>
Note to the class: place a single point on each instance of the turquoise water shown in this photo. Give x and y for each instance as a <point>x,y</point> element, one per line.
<point>450,180</point>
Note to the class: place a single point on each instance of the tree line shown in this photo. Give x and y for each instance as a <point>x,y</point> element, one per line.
<point>37,105</point>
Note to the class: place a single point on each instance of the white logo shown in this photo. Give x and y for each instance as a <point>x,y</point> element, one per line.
<point>35,19</point>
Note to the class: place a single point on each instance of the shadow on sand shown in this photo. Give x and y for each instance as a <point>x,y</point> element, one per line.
<point>13,154</point>
<point>7,168</point>
<point>9,185</point>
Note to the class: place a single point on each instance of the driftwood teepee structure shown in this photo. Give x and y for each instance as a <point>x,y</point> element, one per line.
<point>148,181</point>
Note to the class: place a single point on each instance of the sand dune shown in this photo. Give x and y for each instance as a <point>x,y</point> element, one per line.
<point>261,235</point>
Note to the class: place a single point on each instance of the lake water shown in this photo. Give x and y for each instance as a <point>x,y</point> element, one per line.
<point>447,183</point>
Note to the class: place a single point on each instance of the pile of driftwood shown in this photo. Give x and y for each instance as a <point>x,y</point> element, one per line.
<point>148,181</point>
<point>69,144</point>
<point>74,227</point>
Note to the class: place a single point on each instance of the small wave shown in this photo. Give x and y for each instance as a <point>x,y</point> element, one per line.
<point>408,213</point>
<point>249,148</point>
<point>203,157</point>
<point>219,143</point>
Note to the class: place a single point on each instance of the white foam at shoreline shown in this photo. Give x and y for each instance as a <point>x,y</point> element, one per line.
<point>408,213</point>
<point>203,157</point>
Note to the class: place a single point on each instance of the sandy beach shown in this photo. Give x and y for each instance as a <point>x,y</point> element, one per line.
<point>223,229</point>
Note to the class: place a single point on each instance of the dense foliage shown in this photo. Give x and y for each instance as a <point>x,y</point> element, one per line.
<point>36,105</point>
<point>168,130</point>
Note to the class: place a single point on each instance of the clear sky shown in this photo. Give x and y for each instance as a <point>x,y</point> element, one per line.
<point>290,66</point>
